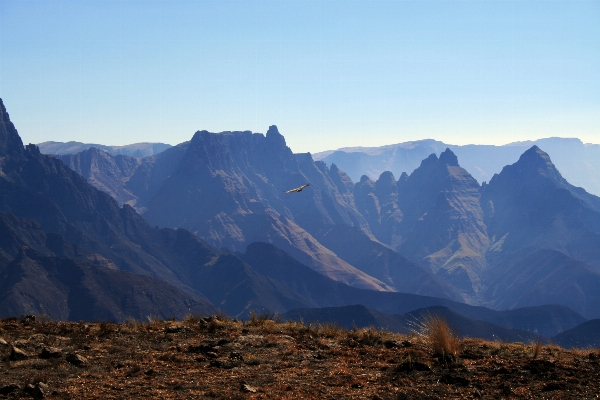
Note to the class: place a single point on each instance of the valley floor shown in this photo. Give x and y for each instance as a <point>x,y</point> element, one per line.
<point>263,359</point>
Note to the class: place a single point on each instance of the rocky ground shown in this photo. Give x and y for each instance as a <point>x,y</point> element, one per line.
<point>263,359</point>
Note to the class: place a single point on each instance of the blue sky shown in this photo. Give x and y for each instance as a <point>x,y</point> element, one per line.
<point>329,74</point>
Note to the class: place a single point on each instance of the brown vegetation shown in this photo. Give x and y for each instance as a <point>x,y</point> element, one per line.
<point>217,357</point>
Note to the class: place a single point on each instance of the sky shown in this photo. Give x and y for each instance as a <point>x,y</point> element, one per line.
<point>329,74</point>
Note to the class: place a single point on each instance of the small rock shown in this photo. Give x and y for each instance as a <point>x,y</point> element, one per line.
<point>408,366</point>
<point>247,388</point>
<point>17,354</point>
<point>28,319</point>
<point>3,342</point>
<point>76,359</point>
<point>8,389</point>
<point>174,329</point>
<point>202,348</point>
<point>212,354</point>
<point>50,352</point>
<point>37,391</point>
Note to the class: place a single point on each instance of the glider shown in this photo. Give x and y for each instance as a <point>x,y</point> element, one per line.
<point>298,189</point>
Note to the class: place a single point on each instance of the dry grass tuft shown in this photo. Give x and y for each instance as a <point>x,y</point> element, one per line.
<point>436,333</point>
<point>536,348</point>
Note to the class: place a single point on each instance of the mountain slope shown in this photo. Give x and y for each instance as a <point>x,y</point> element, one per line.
<point>542,276</point>
<point>72,289</point>
<point>529,204</point>
<point>355,247</point>
<point>228,189</point>
<point>433,217</point>
<point>76,221</point>
<point>586,335</point>
<point>358,316</point>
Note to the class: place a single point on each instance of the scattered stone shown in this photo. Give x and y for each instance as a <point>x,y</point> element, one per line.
<point>10,326</point>
<point>37,391</point>
<point>408,366</point>
<point>202,349</point>
<point>224,364</point>
<point>28,319</point>
<point>247,388</point>
<point>76,359</point>
<point>8,389</point>
<point>50,352</point>
<point>554,386</point>
<point>174,329</point>
<point>455,380</point>
<point>17,354</point>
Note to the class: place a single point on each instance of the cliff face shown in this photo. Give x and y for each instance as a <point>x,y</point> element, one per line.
<point>10,141</point>
<point>530,204</point>
<point>229,189</point>
<point>433,217</point>
<point>520,240</point>
<point>54,222</point>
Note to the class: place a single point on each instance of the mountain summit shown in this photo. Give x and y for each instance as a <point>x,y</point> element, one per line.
<point>10,141</point>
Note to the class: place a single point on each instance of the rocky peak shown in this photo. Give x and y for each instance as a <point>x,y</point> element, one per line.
<point>533,169</point>
<point>430,161</point>
<point>273,133</point>
<point>364,179</point>
<point>10,141</point>
<point>386,184</point>
<point>537,160</point>
<point>448,158</point>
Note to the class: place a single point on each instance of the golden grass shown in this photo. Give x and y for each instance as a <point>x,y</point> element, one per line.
<point>436,333</point>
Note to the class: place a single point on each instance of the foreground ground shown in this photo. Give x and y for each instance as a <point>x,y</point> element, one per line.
<point>263,359</point>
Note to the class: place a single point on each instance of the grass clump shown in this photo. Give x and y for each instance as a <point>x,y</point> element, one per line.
<point>436,333</point>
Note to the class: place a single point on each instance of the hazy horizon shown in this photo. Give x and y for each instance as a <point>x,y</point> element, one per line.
<point>329,74</point>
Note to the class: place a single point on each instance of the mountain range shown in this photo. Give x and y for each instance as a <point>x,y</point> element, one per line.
<point>578,162</point>
<point>526,238</point>
<point>207,224</point>
<point>134,150</point>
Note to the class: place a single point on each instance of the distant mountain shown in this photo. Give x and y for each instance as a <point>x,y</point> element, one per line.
<point>361,317</point>
<point>348,317</point>
<point>358,249</point>
<point>269,279</point>
<point>525,239</point>
<point>127,179</point>
<point>75,289</point>
<point>530,204</point>
<point>578,162</point>
<point>586,335</point>
<point>137,150</point>
<point>54,224</point>
<point>433,217</point>
<point>228,188</point>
